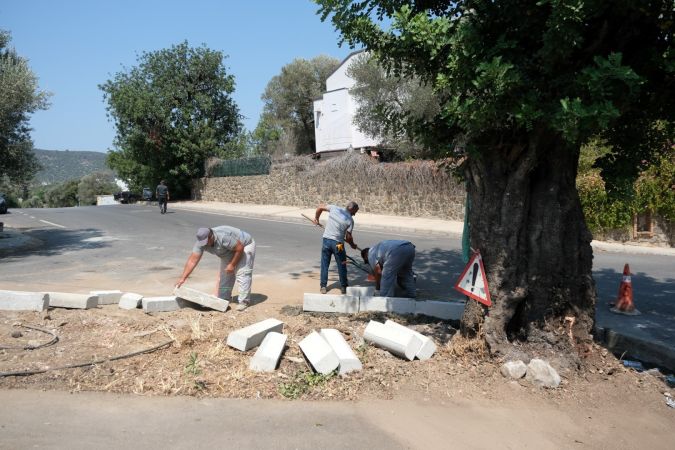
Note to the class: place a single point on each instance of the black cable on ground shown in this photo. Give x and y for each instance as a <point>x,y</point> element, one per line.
<point>54,340</point>
<point>20,373</point>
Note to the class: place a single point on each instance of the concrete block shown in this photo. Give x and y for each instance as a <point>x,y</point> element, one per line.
<point>349,362</point>
<point>428,346</point>
<point>402,344</point>
<point>74,301</point>
<point>23,301</point>
<point>361,291</point>
<point>267,356</point>
<point>162,304</point>
<point>251,336</point>
<point>319,353</point>
<point>398,305</point>
<point>331,303</point>
<point>107,297</point>
<point>445,310</point>
<point>201,298</point>
<point>130,300</point>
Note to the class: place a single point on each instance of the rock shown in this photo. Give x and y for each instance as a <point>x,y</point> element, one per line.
<point>16,334</point>
<point>540,373</point>
<point>514,369</point>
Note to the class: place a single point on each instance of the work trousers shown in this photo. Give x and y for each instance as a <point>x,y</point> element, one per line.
<point>243,274</point>
<point>329,248</point>
<point>398,268</point>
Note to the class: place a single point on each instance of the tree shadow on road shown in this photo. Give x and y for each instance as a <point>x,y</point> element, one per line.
<point>50,242</point>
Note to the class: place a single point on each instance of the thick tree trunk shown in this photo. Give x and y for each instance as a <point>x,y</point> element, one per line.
<point>527,222</point>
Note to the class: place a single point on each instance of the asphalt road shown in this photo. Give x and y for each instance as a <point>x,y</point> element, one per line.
<point>130,240</point>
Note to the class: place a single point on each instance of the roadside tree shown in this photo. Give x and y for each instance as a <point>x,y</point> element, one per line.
<point>19,97</point>
<point>172,112</point>
<point>97,183</point>
<point>289,101</point>
<point>524,85</point>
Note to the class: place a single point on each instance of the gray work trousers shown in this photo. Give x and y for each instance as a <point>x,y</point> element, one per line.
<point>398,267</point>
<point>243,274</point>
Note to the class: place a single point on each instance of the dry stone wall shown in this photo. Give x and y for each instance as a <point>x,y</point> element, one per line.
<point>416,189</point>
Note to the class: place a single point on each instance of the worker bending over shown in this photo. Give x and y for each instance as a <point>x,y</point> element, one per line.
<point>392,263</point>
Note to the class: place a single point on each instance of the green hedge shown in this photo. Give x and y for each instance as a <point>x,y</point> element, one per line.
<point>241,167</point>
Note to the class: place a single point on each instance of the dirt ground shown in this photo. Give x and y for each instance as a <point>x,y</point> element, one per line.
<point>602,400</point>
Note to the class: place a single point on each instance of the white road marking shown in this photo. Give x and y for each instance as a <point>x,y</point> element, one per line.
<point>51,223</point>
<point>32,217</point>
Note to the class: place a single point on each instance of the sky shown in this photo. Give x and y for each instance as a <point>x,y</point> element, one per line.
<point>75,45</point>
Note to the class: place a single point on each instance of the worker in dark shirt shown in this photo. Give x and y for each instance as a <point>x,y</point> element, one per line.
<point>162,193</point>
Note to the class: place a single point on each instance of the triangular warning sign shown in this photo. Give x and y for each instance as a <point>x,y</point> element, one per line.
<point>473,282</point>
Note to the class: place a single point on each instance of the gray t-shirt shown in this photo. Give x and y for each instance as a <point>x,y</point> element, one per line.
<point>162,190</point>
<point>379,253</point>
<point>339,222</point>
<point>225,241</point>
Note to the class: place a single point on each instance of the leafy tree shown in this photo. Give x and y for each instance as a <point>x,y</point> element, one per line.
<point>63,194</point>
<point>19,97</point>
<point>289,100</point>
<point>524,84</point>
<point>172,112</point>
<point>397,110</point>
<point>97,183</point>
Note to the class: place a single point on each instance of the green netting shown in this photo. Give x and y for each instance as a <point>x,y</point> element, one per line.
<point>242,167</point>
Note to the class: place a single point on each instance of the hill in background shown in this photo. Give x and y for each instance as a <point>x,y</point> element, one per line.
<point>59,166</point>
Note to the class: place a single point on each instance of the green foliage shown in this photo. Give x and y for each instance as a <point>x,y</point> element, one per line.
<point>172,112</point>
<point>239,167</point>
<point>19,97</point>
<point>289,99</point>
<point>98,183</point>
<point>655,188</point>
<point>59,166</point>
<point>192,366</point>
<point>63,195</point>
<point>302,383</point>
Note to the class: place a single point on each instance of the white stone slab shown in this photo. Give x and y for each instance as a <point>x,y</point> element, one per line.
<point>398,305</point>
<point>361,291</point>
<point>267,356</point>
<point>129,300</point>
<point>428,346</point>
<point>23,301</point>
<point>73,301</point>
<point>251,336</point>
<point>445,310</point>
<point>402,344</point>
<point>201,298</point>
<point>107,297</point>
<point>349,362</point>
<point>162,304</point>
<point>347,304</point>
<point>319,353</point>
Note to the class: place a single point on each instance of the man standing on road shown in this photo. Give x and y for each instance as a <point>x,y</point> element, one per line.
<point>392,262</point>
<point>162,194</point>
<point>236,250</point>
<point>338,230</point>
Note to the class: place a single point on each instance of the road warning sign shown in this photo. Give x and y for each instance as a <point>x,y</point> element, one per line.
<point>473,282</point>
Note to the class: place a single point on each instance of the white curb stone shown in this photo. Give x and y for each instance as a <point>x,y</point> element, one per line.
<point>23,301</point>
<point>267,356</point>
<point>349,362</point>
<point>107,297</point>
<point>440,309</point>
<point>74,301</point>
<point>361,291</point>
<point>201,298</point>
<point>428,346</point>
<point>319,353</point>
<point>162,304</point>
<point>398,305</point>
<point>403,344</point>
<point>130,301</point>
<point>251,336</point>
<point>330,303</point>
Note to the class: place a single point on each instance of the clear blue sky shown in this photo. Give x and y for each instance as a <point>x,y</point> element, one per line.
<point>75,45</point>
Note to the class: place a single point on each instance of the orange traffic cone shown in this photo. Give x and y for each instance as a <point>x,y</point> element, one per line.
<point>624,301</point>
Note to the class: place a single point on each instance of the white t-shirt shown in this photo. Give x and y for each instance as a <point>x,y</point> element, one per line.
<point>339,222</point>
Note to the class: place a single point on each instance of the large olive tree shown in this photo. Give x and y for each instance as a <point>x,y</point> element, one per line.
<point>524,83</point>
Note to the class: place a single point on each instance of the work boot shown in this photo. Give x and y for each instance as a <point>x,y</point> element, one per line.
<point>243,305</point>
<point>323,289</point>
<point>343,290</point>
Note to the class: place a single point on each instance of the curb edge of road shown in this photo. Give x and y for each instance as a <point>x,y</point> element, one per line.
<point>643,350</point>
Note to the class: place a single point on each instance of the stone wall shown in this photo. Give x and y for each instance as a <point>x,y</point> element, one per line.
<point>417,189</point>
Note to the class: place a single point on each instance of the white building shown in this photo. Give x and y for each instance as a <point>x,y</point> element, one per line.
<point>334,127</point>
